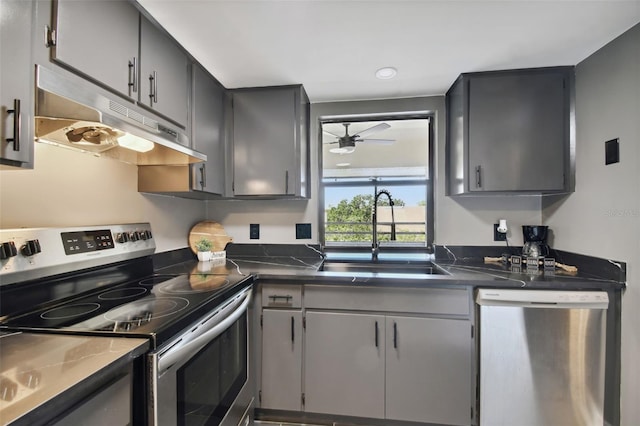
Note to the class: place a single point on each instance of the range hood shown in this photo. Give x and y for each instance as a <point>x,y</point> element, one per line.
<point>70,113</point>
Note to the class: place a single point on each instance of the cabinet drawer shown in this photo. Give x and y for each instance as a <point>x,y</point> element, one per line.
<point>280,295</point>
<point>406,300</point>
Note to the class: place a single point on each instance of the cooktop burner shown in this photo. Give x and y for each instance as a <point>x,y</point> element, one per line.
<point>123,293</point>
<point>70,311</point>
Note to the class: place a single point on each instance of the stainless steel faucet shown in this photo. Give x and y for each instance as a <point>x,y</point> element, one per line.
<point>375,247</point>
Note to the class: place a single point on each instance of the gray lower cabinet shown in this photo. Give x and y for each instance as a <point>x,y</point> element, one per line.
<point>16,83</point>
<point>111,57</point>
<point>271,142</point>
<point>281,385</point>
<point>428,370</point>
<point>164,74</point>
<point>344,362</point>
<point>510,132</point>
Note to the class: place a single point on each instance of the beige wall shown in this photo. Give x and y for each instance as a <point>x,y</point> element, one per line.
<point>602,217</point>
<point>458,221</point>
<point>68,188</point>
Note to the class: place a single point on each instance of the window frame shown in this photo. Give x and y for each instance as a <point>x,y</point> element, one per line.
<point>428,180</point>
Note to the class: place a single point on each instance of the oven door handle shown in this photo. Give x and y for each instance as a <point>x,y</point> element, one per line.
<point>187,350</point>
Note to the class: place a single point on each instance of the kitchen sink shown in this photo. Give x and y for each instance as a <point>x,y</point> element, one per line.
<point>395,267</point>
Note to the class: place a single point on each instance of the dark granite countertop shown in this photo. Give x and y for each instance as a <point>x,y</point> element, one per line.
<point>297,264</point>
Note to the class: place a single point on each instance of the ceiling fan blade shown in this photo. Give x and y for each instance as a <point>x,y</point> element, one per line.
<point>331,134</point>
<point>329,143</point>
<point>377,141</point>
<point>377,128</point>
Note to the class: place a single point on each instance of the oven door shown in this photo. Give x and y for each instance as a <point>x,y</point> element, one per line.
<point>202,377</point>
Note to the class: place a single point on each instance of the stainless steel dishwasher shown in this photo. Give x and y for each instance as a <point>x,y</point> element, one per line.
<point>542,357</point>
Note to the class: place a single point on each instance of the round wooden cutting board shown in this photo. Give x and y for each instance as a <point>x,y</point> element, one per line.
<point>212,231</point>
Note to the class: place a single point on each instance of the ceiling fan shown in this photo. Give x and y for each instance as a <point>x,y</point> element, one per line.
<point>347,143</point>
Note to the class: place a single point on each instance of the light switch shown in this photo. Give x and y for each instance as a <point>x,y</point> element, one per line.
<point>611,151</point>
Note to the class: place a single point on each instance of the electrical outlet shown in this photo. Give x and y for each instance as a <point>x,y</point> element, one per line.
<point>498,236</point>
<point>254,231</point>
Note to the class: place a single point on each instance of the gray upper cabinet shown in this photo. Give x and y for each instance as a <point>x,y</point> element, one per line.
<point>164,74</point>
<point>130,56</point>
<point>208,131</point>
<point>16,84</point>
<point>510,132</point>
<point>271,142</point>
<point>201,180</point>
<point>110,58</point>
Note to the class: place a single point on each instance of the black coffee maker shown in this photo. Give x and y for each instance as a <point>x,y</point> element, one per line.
<point>535,241</point>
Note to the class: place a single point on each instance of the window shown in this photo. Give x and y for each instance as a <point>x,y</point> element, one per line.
<point>360,158</point>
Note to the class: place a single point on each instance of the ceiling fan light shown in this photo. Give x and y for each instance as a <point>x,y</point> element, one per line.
<point>386,73</point>
<point>343,150</point>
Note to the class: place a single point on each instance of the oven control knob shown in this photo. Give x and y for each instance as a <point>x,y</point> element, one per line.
<point>8,250</point>
<point>30,248</point>
<point>148,234</point>
<point>144,235</point>
<point>30,378</point>
<point>8,389</point>
<point>122,237</point>
<point>134,236</point>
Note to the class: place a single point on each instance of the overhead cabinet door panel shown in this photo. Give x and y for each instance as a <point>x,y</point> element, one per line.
<point>517,132</point>
<point>99,39</point>
<point>16,84</point>
<point>164,74</point>
<point>264,142</point>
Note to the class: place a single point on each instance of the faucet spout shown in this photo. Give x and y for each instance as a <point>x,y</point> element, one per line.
<point>375,246</point>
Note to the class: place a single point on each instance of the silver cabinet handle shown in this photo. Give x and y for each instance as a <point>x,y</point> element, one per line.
<point>395,335</point>
<point>17,125</point>
<point>153,87</point>
<point>49,36</point>
<point>376,334</point>
<point>203,174</point>
<point>133,75</point>
<point>293,330</point>
<point>478,177</point>
<point>286,181</point>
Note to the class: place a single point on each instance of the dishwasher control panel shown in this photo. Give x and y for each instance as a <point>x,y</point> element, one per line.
<point>543,298</point>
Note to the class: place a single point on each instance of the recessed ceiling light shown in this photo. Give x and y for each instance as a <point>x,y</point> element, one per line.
<point>386,73</point>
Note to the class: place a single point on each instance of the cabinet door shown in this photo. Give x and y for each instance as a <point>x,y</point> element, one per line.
<point>207,134</point>
<point>164,74</point>
<point>518,128</point>
<point>16,83</point>
<point>428,370</point>
<point>100,39</point>
<point>282,359</point>
<point>344,364</point>
<point>264,138</point>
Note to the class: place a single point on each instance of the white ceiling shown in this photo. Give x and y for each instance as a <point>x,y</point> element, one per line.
<point>335,47</point>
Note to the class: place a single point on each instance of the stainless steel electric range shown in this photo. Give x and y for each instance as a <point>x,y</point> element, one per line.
<point>99,280</point>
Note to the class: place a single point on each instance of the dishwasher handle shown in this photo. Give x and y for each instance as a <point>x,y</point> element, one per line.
<point>554,299</point>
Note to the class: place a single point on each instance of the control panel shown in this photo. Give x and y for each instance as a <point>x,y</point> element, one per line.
<point>31,253</point>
